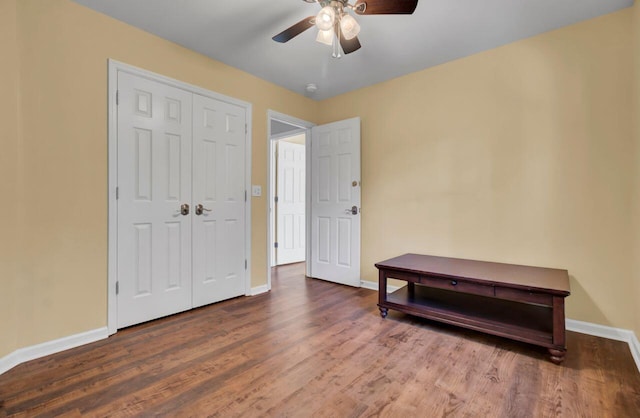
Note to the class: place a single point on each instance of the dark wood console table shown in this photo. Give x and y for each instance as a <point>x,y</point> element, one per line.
<point>518,302</point>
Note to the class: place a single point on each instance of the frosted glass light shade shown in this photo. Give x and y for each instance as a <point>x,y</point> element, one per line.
<point>326,18</point>
<point>325,37</point>
<point>350,27</point>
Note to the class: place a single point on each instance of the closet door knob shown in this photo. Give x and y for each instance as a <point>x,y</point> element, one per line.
<point>184,209</point>
<point>200,209</point>
<point>352,211</point>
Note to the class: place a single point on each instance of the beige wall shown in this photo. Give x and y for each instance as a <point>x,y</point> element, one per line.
<point>9,173</point>
<point>521,154</point>
<point>63,56</point>
<point>636,174</point>
<point>298,139</point>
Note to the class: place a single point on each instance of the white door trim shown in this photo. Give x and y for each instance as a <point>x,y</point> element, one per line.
<point>281,117</point>
<point>112,132</point>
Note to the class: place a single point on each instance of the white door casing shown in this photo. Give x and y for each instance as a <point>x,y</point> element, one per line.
<point>154,179</point>
<point>305,127</point>
<point>218,185</point>
<point>290,208</point>
<point>335,190</point>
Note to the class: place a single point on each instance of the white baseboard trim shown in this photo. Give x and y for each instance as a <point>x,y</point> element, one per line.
<point>611,333</point>
<point>598,330</point>
<point>634,346</point>
<point>369,285</point>
<point>374,286</point>
<point>33,352</point>
<point>588,328</point>
<point>259,290</point>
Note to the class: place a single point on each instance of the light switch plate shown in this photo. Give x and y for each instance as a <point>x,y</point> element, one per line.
<point>256,190</point>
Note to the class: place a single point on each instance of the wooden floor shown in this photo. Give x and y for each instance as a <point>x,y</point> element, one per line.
<point>313,348</point>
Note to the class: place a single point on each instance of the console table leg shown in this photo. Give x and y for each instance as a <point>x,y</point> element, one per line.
<point>557,356</point>
<point>383,312</point>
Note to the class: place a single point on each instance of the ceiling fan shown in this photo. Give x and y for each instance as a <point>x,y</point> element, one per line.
<point>335,23</point>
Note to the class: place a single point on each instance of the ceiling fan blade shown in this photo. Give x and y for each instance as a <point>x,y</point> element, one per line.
<point>386,7</point>
<point>295,30</point>
<point>349,45</point>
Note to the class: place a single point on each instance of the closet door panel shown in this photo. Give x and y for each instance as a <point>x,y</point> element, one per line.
<point>218,186</point>
<point>154,181</point>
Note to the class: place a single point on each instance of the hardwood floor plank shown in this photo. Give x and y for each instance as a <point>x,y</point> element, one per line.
<point>213,367</point>
<point>282,358</point>
<point>314,348</point>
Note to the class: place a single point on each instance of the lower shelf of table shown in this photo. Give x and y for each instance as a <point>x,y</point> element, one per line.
<point>515,320</point>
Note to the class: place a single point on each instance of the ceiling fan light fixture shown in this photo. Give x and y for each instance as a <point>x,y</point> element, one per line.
<point>325,37</point>
<point>349,26</point>
<point>326,18</point>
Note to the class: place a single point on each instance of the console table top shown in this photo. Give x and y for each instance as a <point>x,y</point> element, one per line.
<point>554,280</point>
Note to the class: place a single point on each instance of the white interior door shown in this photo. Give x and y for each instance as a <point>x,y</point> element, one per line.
<point>335,202</point>
<point>154,181</point>
<point>290,207</point>
<point>218,185</point>
<point>181,203</point>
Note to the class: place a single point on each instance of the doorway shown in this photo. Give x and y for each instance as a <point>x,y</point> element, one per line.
<point>332,197</point>
<point>284,243</point>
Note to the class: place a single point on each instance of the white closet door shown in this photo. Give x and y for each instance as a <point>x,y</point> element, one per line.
<point>291,203</point>
<point>154,180</point>
<point>335,202</point>
<point>219,186</point>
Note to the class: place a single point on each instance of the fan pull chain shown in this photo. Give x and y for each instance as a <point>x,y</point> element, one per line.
<point>336,42</point>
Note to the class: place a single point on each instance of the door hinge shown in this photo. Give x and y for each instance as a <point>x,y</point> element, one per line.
<point>117,97</point>
<point>117,193</point>
<point>117,287</point>
<point>245,195</point>
<point>245,263</point>
<point>275,199</point>
<point>246,129</point>
<point>275,245</point>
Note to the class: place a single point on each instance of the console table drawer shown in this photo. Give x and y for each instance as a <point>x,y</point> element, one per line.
<point>524,296</point>
<point>457,285</point>
<point>407,277</point>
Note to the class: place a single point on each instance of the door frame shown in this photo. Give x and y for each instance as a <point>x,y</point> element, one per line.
<point>306,126</point>
<point>112,139</point>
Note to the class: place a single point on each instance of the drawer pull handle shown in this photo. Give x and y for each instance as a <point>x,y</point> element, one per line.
<point>453,282</point>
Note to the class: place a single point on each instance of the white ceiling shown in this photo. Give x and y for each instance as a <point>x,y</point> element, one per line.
<point>238,33</point>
